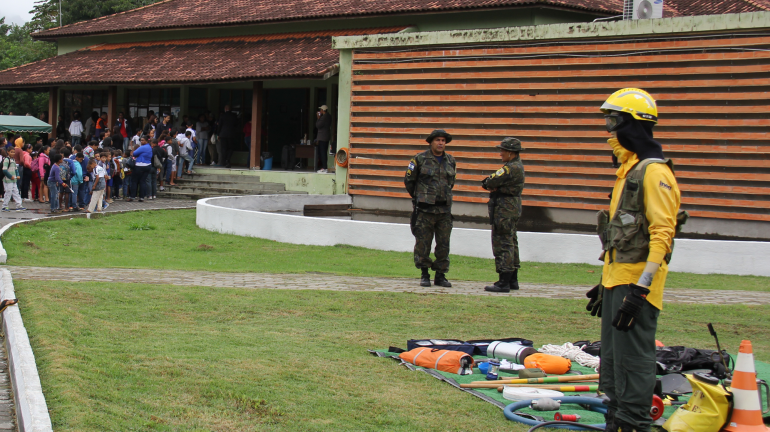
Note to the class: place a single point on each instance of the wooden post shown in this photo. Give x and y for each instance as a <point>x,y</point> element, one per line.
<point>256,125</point>
<point>112,108</point>
<point>53,109</point>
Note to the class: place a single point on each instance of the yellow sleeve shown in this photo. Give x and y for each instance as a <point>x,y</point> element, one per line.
<point>661,200</point>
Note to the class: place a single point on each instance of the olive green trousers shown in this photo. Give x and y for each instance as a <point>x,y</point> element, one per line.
<point>628,361</point>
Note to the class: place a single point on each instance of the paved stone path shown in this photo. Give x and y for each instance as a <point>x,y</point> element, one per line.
<point>35,210</point>
<point>325,281</point>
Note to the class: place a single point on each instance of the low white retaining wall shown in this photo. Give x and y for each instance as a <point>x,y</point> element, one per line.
<point>31,409</point>
<point>249,216</point>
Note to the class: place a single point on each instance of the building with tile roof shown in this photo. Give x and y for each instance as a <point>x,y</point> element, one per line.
<point>274,63</point>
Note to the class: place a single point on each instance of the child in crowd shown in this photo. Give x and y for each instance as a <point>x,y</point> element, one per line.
<point>104,163</point>
<point>108,168</point>
<point>66,174</point>
<point>89,151</point>
<point>76,129</point>
<point>10,176</point>
<point>100,184</point>
<point>172,148</point>
<point>45,168</point>
<point>85,188</point>
<point>126,165</point>
<point>117,173</point>
<point>3,155</point>
<point>185,147</point>
<point>35,182</point>
<point>55,183</point>
<point>76,182</point>
<point>135,139</point>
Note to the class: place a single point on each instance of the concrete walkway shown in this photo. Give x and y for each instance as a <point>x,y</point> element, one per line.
<point>325,281</point>
<point>7,410</point>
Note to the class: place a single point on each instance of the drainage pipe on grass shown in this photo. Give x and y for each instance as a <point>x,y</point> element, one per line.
<point>595,404</point>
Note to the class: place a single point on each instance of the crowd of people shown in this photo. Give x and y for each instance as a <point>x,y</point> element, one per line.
<point>86,171</point>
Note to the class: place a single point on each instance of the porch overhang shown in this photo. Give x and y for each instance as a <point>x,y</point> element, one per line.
<point>307,55</point>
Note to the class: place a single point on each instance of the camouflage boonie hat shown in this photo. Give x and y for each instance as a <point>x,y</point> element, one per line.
<point>510,144</point>
<point>439,133</point>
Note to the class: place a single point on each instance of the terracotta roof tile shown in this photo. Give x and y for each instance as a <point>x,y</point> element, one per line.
<point>295,55</point>
<point>202,13</point>
<point>712,7</point>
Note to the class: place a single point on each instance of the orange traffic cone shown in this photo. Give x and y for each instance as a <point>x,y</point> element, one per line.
<point>747,412</point>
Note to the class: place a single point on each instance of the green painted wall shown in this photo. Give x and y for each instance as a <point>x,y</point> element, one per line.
<point>343,113</point>
<point>423,22</point>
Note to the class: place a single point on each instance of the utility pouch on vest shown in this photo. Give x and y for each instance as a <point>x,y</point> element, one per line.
<point>632,192</point>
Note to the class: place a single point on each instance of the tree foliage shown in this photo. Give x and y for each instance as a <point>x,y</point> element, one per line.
<point>17,47</point>
<point>72,11</point>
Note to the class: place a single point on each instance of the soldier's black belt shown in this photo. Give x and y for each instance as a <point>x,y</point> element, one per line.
<point>437,204</point>
<point>500,194</point>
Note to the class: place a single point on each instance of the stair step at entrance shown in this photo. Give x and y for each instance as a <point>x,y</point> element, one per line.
<point>200,186</point>
<point>225,190</point>
<point>219,184</point>
<point>226,177</point>
<point>201,195</point>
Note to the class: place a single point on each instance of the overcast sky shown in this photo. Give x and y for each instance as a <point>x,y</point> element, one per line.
<point>16,11</point>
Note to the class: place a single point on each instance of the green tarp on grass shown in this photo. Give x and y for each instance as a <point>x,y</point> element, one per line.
<point>590,417</point>
<point>15,123</point>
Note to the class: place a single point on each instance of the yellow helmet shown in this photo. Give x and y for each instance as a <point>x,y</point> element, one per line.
<point>634,101</point>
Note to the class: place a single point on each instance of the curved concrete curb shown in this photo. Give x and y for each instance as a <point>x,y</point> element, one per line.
<point>251,216</point>
<point>31,409</point>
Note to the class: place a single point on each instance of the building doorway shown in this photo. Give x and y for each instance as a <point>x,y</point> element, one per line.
<point>287,119</point>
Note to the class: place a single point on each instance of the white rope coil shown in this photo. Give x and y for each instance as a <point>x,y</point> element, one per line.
<point>573,353</point>
<point>526,393</point>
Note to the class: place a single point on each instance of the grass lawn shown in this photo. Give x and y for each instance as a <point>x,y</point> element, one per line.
<point>170,240</point>
<point>156,357</point>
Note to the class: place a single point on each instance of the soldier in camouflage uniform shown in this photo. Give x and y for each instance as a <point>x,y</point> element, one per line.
<point>429,180</point>
<point>505,187</point>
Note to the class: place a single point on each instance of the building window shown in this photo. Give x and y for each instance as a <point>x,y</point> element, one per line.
<point>159,101</point>
<point>197,103</point>
<point>239,101</point>
<point>85,101</point>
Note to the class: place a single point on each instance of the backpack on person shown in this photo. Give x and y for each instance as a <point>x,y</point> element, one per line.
<point>7,167</point>
<point>35,165</point>
<point>65,172</point>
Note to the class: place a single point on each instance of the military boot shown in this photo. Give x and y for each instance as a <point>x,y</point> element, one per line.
<point>621,426</point>
<point>514,281</point>
<point>502,285</point>
<point>609,420</point>
<point>425,278</point>
<point>440,280</point>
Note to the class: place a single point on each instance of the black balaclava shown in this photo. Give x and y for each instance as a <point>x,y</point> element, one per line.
<point>636,136</point>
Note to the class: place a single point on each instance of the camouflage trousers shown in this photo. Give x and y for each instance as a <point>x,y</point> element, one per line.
<point>426,227</point>
<point>505,245</point>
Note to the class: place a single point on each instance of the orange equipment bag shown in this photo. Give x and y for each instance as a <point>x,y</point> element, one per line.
<point>550,364</point>
<point>456,362</point>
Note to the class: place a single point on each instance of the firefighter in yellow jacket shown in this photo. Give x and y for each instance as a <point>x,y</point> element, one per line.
<point>637,236</point>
